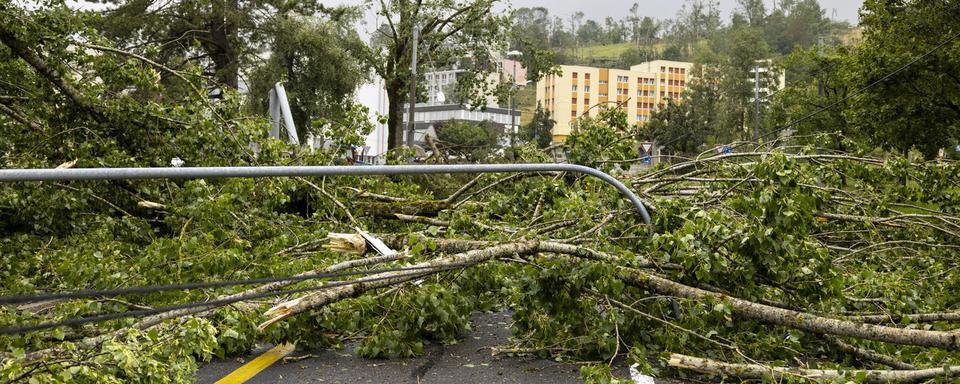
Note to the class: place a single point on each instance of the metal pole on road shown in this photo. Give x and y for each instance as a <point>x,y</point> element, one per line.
<point>12,175</point>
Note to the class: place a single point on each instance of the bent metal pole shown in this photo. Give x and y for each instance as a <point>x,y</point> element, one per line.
<point>10,175</point>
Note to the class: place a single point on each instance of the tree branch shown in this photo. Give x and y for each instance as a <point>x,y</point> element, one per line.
<point>756,371</point>
<point>20,49</point>
<point>793,319</point>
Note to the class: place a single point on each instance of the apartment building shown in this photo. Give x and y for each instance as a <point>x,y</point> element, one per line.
<point>580,91</point>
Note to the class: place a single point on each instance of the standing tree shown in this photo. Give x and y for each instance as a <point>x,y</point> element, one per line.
<point>539,129</point>
<point>754,11</point>
<point>681,128</point>
<point>530,35</point>
<point>740,50</point>
<point>316,60</point>
<point>469,140</point>
<point>920,105</point>
<point>794,23</point>
<point>454,32</point>
<point>220,36</point>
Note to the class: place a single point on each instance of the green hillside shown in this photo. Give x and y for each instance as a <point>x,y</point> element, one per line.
<point>591,53</point>
<point>610,51</point>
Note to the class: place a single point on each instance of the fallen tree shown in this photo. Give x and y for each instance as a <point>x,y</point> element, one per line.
<point>838,263</point>
<point>750,248</point>
<point>756,371</point>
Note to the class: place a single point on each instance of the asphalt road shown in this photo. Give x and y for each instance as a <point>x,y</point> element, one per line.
<point>467,362</point>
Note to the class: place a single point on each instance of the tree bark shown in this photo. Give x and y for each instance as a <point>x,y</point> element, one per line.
<point>222,46</point>
<point>380,280</point>
<point>21,118</point>
<point>395,98</point>
<point>151,321</point>
<point>913,318</point>
<point>868,355</point>
<point>793,319</point>
<point>756,371</point>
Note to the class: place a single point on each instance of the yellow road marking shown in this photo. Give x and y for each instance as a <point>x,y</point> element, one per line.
<point>251,369</point>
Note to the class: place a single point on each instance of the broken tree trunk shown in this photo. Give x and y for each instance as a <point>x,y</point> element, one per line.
<point>327,296</point>
<point>794,319</point>
<point>152,321</point>
<point>756,371</point>
<point>427,208</point>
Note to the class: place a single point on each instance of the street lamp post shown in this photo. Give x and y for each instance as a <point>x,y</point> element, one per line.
<point>513,101</point>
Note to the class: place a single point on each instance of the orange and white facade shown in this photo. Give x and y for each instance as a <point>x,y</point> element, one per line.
<point>580,91</point>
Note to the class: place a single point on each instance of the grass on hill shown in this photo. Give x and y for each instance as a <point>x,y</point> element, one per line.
<point>606,51</point>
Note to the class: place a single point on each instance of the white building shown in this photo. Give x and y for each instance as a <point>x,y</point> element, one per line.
<point>772,79</point>
<point>440,106</point>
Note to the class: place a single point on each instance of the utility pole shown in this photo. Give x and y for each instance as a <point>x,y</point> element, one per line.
<point>756,102</point>
<point>413,86</point>
<point>820,83</point>
<point>515,55</point>
<point>513,112</point>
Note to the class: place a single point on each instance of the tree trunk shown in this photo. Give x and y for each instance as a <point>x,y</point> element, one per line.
<point>793,319</point>
<point>756,371</point>
<point>395,97</point>
<point>222,46</point>
<point>62,83</point>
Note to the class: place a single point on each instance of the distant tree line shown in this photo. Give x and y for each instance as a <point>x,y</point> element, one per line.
<point>893,89</point>
<point>791,24</point>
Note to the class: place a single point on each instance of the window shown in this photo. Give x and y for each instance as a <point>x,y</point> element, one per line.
<point>574,75</point>
<point>603,82</point>
<point>586,101</point>
<point>586,88</point>
<point>574,88</point>
<point>683,71</point>
<point>638,117</point>
<point>639,93</point>
<point>573,113</point>
<point>683,83</point>
<point>663,69</point>
<point>586,76</point>
<point>662,93</point>
<point>574,100</point>
<point>662,81</point>
<point>603,94</point>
